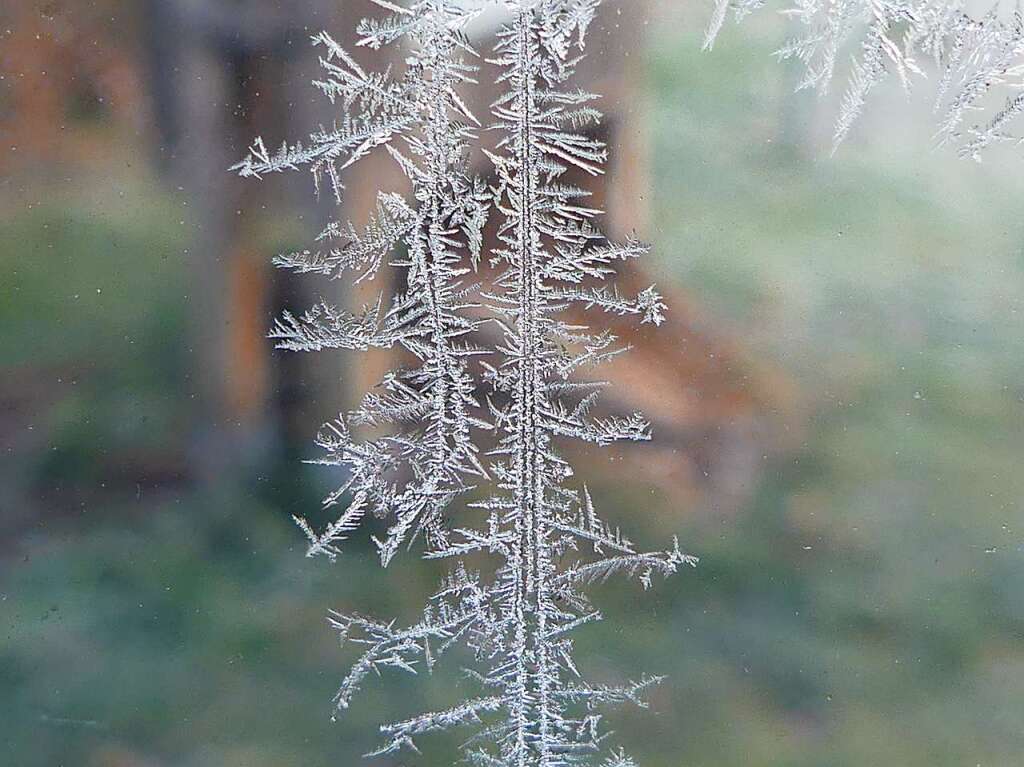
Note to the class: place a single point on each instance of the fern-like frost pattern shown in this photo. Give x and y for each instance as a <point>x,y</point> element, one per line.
<point>530,541</point>
<point>975,57</point>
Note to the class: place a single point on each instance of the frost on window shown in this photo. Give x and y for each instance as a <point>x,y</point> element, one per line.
<point>976,60</point>
<point>435,238</point>
<point>468,469</point>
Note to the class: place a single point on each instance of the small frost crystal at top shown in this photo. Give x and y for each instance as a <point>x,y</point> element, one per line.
<point>494,329</point>
<point>973,57</point>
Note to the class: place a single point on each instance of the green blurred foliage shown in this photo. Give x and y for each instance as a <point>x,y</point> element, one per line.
<point>865,609</point>
<point>92,308</point>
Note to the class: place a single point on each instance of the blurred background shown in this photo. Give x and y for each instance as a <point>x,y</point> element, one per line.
<point>838,403</point>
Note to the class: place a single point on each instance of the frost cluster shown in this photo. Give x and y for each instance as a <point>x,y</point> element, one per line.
<point>978,60</point>
<point>466,463</point>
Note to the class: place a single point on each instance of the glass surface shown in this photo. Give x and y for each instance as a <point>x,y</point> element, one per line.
<point>837,402</point>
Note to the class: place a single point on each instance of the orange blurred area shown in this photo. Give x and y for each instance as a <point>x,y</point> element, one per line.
<point>73,84</point>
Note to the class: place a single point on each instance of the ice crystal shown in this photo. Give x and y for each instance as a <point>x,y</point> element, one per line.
<point>975,57</point>
<point>411,475</point>
<point>533,532</point>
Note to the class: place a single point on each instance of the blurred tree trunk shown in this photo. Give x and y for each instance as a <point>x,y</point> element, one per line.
<point>221,74</point>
